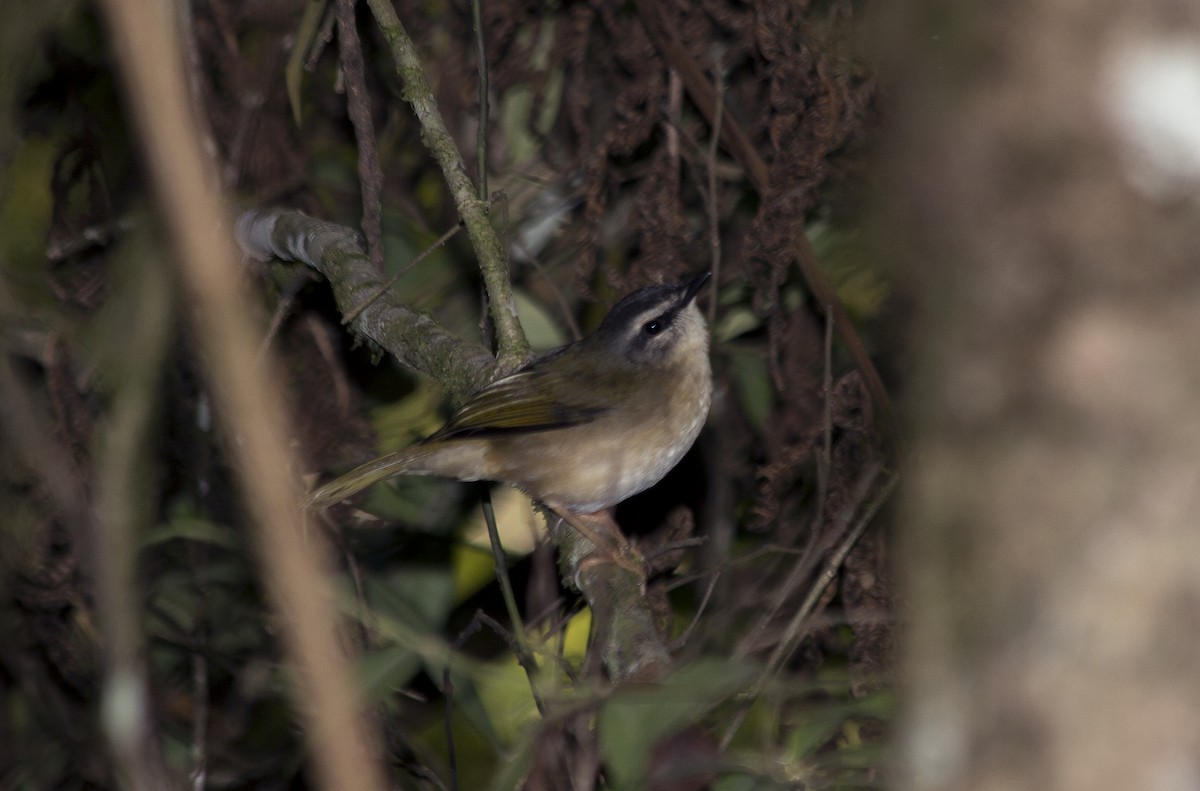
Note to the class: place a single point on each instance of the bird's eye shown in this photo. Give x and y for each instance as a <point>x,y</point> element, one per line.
<point>652,327</point>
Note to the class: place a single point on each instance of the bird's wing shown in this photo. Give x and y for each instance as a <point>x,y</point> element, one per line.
<point>518,403</point>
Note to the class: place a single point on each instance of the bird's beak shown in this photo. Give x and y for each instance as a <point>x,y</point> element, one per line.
<point>693,287</point>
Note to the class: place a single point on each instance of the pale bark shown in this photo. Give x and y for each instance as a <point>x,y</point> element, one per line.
<point>1049,176</point>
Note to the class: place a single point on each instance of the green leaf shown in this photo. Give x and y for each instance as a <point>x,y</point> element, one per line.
<point>752,384</point>
<point>512,771</point>
<point>25,208</point>
<point>194,529</point>
<point>417,596</point>
<point>738,782</point>
<point>543,332</point>
<point>736,322</point>
<point>305,35</point>
<point>505,695</point>
<point>386,669</point>
<point>634,720</point>
<point>854,274</point>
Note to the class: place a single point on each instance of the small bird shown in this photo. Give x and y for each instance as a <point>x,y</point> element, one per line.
<point>583,427</point>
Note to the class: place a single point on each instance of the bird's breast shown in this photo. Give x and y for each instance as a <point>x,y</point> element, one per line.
<point>597,464</point>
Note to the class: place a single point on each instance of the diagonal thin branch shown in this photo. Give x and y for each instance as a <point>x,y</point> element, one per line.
<point>513,348</point>
<point>798,623</point>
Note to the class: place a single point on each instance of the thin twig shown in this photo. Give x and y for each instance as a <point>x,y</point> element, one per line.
<point>287,301</point>
<point>560,299</point>
<point>199,774</point>
<point>520,641</point>
<point>122,491</point>
<point>806,560</point>
<point>357,311</point>
<point>321,40</point>
<point>714,231</point>
<point>794,630</point>
<point>358,103</point>
<point>825,462</point>
<point>797,626</point>
<point>681,641</point>
<point>674,110</point>
<point>667,41</point>
<point>448,700</point>
<point>481,135</point>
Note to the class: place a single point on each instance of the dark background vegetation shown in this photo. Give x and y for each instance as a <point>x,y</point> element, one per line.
<point>1030,289</point>
<point>590,125</point>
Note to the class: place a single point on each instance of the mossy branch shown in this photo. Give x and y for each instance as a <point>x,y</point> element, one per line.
<point>413,338</point>
<point>625,635</point>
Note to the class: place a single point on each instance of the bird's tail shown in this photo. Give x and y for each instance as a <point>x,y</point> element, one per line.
<point>436,458</point>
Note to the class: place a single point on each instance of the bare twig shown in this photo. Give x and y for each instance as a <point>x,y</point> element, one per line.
<point>413,338</point>
<point>520,642</point>
<point>358,103</point>
<point>448,701</point>
<point>321,39</point>
<point>30,436</point>
<point>797,626</point>
<point>681,641</point>
<point>199,775</point>
<point>674,112</point>
<point>794,631</point>
<point>714,230</point>
<point>481,135</point>
<point>357,311</point>
<point>666,40</point>
<point>825,461</point>
<point>287,301</point>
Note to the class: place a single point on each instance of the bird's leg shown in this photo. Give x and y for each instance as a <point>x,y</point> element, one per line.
<point>602,530</point>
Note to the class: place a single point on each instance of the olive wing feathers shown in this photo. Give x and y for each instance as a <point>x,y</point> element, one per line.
<point>521,403</point>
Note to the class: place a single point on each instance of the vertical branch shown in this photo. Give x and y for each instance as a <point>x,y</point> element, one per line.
<point>484,86</point>
<point>145,41</point>
<point>520,638</point>
<point>493,261</point>
<point>358,103</point>
<point>714,231</point>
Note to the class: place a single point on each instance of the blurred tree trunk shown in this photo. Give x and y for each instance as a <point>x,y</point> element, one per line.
<point>1049,168</point>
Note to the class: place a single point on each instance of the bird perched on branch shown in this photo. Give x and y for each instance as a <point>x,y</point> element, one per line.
<point>583,427</point>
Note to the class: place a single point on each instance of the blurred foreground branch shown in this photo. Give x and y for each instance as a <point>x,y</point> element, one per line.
<point>250,407</point>
<point>1052,553</point>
